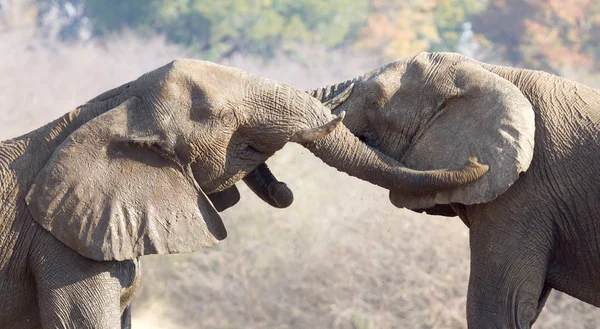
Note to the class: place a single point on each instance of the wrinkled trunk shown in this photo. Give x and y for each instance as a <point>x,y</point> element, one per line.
<point>344,151</point>
<point>279,100</point>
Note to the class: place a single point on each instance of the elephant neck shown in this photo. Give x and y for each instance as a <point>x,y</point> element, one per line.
<point>528,81</point>
<point>546,91</point>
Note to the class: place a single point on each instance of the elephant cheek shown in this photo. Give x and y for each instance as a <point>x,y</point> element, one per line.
<point>208,180</point>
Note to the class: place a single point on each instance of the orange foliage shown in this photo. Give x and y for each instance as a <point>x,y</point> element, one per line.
<point>399,28</point>
<point>546,34</point>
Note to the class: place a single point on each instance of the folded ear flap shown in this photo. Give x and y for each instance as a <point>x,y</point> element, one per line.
<point>107,192</point>
<point>486,117</point>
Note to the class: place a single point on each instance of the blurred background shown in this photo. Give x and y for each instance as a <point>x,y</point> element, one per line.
<point>341,256</point>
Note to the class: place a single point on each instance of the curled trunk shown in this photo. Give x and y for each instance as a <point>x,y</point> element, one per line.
<point>264,184</point>
<point>344,151</point>
<point>339,148</point>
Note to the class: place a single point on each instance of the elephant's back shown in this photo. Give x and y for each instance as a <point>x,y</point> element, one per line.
<point>10,150</point>
<point>17,233</point>
<point>11,189</point>
<point>17,227</point>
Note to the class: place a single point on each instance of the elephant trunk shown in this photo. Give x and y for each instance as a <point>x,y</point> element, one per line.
<point>323,134</point>
<point>344,151</point>
<point>264,184</point>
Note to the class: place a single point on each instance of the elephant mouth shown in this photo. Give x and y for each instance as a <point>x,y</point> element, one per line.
<point>259,180</point>
<point>211,183</point>
<point>223,195</point>
<point>224,199</point>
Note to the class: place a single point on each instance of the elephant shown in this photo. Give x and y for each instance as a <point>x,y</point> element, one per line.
<point>145,169</point>
<point>534,217</point>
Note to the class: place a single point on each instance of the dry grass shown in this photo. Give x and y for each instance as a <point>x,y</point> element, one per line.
<point>340,257</point>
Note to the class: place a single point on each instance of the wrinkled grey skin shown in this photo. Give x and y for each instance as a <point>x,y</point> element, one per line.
<point>128,173</point>
<point>534,218</point>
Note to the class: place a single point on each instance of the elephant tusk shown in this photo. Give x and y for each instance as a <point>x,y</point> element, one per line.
<point>311,135</point>
<point>339,99</point>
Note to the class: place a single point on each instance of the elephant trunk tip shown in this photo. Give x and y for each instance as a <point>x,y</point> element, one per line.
<point>474,170</point>
<point>470,172</point>
<point>281,195</point>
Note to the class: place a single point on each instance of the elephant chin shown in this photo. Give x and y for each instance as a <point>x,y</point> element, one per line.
<point>438,210</point>
<point>209,186</point>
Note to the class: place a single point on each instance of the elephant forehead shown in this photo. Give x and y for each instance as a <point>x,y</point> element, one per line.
<point>412,86</point>
<point>372,94</point>
<point>192,84</point>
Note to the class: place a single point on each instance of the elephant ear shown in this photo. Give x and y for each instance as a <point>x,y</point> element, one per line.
<point>111,193</point>
<point>482,115</point>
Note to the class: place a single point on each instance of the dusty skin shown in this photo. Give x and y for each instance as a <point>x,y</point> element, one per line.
<point>133,172</point>
<point>534,218</point>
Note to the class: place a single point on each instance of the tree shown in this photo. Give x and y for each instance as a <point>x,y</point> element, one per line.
<point>399,28</point>
<point>219,28</point>
<point>544,34</point>
<point>16,13</point>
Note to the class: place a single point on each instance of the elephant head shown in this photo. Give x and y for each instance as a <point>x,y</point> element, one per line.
<point>134,179</point>
<point>432,111</point>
